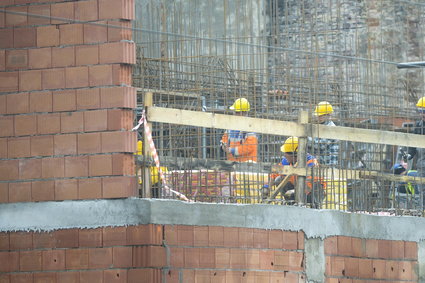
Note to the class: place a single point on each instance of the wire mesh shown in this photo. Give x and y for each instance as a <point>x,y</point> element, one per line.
<point>284,57</point>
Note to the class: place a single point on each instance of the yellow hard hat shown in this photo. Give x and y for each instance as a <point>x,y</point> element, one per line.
<point>421,102</point>
<point>323,108</point>
<point>290,145</point>
<point>241,104</point>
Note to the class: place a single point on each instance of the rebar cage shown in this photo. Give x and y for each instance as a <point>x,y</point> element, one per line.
<point>284,56</point>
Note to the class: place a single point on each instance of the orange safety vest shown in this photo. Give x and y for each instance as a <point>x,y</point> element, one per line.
<point>242,145</point>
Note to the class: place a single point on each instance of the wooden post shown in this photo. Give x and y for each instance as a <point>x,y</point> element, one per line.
<point>301,160</point>
<point>147,186</point>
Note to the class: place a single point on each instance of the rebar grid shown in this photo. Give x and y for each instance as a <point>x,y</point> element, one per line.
<point>284,57</point>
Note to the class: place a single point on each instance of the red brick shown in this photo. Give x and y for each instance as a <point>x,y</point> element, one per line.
<point>100,75</point>
<point>11,260</point>
<point>170,235</point>
<point>77,77</point>
<point>216,236</point>
<point>266,259</point>
<point>18,19</point>
<point>114,236</point>
<point>331,246</point>
<point>118,142</point>
<point>146,275</point>
<point>117,275</point>
<point>63,56</point>
<point>4,198</point>
<point>2,58</point>
<point>65,144</point>
<point>19,147</point>
<point>30,261</point>
<point>120,119</point>
<point>43,190</point>
<point>4,241</point>
<point>22,277</point>
<point>47,36</point>
<point>53,167</point>
<point>29,80</point>
<point>261,239</point>
<point>95,120</point>
<point>90,238</point>
<point>25,125</point>
<point>88,98</point>
<point>397,249</point>
<point>3,19</point>
<point>100,258</point>
<point>144,234</point>
<point>72,122</point>
<point>68,277</point>
<point>252,259</point>
<point>407,270</point>
<point>95,33</point>
<point>185,235</point>
<point>44,240</point>
<point>275,239</point>
<point>90,188</point>
<point>41,101</point>
<point>77,258</point>
<point>17,103</point>
<point>3,147</point>
<point>344,245</point>
<point>66,189</point>
<point>45,277</point>
<point>122,257</point>
<point>6,126</point>
<point>117,52</point>
<point>42,145</point>
<point>89,143</point>
<point>351,267</point>
<point>53,260</point>
<point>64,100</point>
<point>53,78</point>
<point>113,9</point>
<point>76,166</point>
<point>290,240</point>
<point>6,38</point>
<point>379,269</point>
<point>20,240</point>
<point>87,55</point>
<point>40,58</point>
<point>119,187</point>
<point>92,276</point>
<point>177,257</point>
<point>9,81</point>
<point>121,75</point>
<point>207,258</point>
<point>192,257</point>
<point>86,11</point>
<point>66,238</point>
<point>365,268</point>
<point>115,33</point>
<point>9,170</point>
<point>71,34</point>
<point>30,168</point>
<point>41,10</point>
<point>200,236</point>
<point>156,256</point>
<point>100,165</point>
<point>411,250</point>
<point>48,123</point>
<point>118,97</point>
<point>384,249</point>
<point>24,37</point>
<point>20,192</point>
<point>63,11</point>
<point>16,59</point>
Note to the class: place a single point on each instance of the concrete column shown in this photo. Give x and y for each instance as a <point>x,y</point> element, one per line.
<point>315,262</point>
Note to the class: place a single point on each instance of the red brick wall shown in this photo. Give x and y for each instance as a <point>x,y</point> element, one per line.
<point>358,260</point>
<point>66,100</point>
<point>150,253</point>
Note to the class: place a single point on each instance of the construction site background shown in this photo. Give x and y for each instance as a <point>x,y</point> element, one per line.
<point>284,57</point>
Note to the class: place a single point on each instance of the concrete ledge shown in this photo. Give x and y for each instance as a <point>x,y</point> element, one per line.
<point>47,216</point>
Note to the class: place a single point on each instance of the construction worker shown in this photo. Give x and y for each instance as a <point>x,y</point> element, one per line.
<point>326,149</point>
<point>419,152</point>
<point>313,185</point>
<point>406,193</point>
<point>238,145</point>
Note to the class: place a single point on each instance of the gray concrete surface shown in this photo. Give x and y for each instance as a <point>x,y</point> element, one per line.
<point>48,216</point>
<point>315,260</point>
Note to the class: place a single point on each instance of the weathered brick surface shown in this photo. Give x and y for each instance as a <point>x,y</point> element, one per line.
<point>62,95</point>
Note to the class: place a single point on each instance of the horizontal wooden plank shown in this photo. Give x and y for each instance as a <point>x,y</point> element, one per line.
<point>281,128</point>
